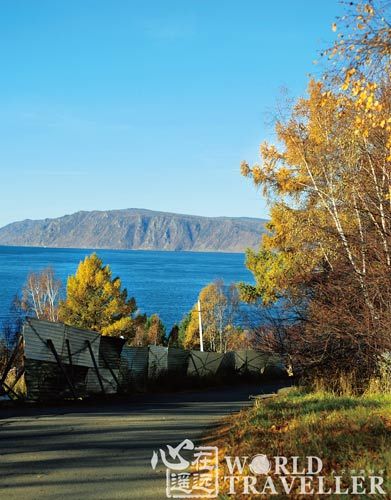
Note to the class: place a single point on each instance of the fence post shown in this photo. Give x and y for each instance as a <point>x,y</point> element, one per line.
<point>95,366</point>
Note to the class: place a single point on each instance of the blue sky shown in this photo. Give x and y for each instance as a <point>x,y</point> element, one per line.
<point>149,104</point>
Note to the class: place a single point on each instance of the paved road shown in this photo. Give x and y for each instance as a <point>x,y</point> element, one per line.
<point>103,451</point>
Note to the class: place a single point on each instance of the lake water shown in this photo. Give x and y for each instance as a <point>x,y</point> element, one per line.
<point>167,283</point>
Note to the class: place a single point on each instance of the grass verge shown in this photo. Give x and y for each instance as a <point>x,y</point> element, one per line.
<point>351,435</point>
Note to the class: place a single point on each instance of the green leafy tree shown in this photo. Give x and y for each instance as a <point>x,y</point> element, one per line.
<point>183,327</point>
<point>95,300</point>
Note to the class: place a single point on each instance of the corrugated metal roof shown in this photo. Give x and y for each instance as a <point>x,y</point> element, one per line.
<point>45,380</point>
<point>135,361</point>
<point>157,360</point>
<point>203,364</point>
<point>109,383</point>
<point>227,365</point>
<point>36,333</point>
<point>110,350</point>
<point>248,361</point>
<point>132,366</point>
<point>79,351</point>
<point>177,360</point>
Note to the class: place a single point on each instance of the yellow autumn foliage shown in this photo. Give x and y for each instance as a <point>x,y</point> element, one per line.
<point>96,301</point>
<point>219,304</point>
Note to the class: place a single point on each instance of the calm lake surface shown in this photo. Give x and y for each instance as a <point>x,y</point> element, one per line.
<point>167,283</point>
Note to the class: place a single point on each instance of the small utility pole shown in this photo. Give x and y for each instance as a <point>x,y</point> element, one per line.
<point>200,326</point>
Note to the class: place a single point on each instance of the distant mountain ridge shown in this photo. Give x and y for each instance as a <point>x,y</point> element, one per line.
<point>137,229</point>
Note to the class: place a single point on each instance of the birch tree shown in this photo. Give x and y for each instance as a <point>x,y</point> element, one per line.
<point>328,182</point>
<point>41,294</point>
<point>219,305</point>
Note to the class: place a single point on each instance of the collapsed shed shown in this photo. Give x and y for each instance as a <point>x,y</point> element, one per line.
<point>57,359</point>
<point>61,361</point>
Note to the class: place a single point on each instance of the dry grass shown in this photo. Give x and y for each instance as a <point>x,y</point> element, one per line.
<point>347,432</point>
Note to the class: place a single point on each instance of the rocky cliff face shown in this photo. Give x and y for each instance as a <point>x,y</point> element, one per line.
<point>137,229</point>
